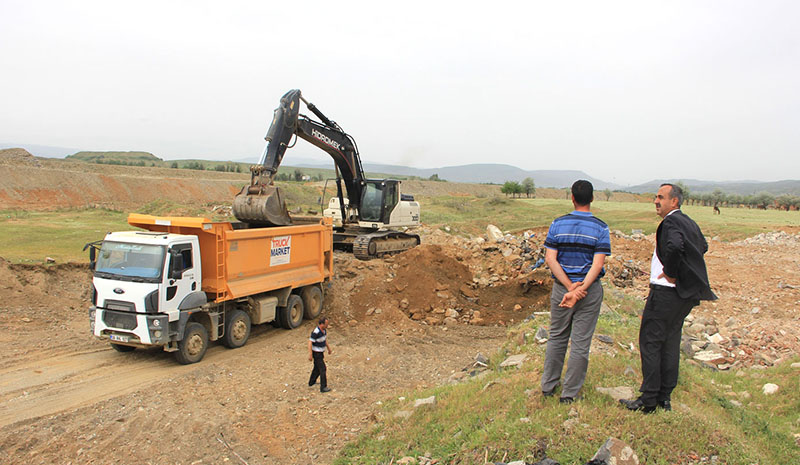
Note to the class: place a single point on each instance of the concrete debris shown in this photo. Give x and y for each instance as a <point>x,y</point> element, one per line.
<point>541,335</point>
<point>514,361</point>
<point>426,402</point>
<point>616,452</point>
<point>617,393</point>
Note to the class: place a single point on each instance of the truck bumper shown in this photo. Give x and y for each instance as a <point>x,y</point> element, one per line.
<point>127,328</point>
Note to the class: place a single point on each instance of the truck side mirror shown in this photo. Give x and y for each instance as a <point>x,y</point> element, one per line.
<point>176,265</point>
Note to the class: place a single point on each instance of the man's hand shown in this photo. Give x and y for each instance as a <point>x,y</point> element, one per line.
<point>330,351</point>
<point>670,280</point>
<point>571,298</point>
<point>310,358</point>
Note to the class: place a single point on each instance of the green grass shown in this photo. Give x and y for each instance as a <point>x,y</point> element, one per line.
<point>472,421</point>
<point>30,237</point>
<point>471,215</point>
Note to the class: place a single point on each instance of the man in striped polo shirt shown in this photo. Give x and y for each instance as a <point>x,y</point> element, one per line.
<point>576,248</point>
<point>317,344</point>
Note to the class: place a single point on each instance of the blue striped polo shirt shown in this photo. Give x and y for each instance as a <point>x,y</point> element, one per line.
<point>578,237</point>
<point>318,339</point>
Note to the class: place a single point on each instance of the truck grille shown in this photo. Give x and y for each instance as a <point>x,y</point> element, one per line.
<point>119,320</point>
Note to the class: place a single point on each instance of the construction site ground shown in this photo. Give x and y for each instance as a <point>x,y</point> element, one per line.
<point>399,323</point>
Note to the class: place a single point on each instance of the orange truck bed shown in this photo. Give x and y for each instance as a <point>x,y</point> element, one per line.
<point>241,262</point>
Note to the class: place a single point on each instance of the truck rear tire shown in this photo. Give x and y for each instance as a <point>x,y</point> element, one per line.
<point>122,348</point>
<point>194,344</point>
<point>291,316</point>
<point>237,329</point>
<point>312,301</point>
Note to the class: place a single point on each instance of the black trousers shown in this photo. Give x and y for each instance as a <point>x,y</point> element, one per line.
<point>320,370</point>
<point>660,342</point>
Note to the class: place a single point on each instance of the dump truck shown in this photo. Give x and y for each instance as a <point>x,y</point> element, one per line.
<point>182,282</point>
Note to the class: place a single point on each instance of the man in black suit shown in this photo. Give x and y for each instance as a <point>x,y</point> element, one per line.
<point>678,282</point>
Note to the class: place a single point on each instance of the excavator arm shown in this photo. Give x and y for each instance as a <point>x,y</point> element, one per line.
<point>261,202</point>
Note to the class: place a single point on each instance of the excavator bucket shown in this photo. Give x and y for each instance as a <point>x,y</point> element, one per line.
<point>262,206</point>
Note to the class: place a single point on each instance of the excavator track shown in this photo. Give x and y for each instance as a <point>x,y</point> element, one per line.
<point>380,243</point>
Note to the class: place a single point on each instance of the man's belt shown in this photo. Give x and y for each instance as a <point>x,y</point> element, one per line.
<point>659,287</point>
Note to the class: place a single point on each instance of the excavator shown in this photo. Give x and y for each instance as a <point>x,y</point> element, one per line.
<point>364,211</point>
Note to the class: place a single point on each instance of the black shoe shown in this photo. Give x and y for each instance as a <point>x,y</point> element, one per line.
<point>312,384</point>
<point>325,389</point>
<point>566,400</point>
<point>637,405</point>
<point>549,393</point>
<point>664,404</point>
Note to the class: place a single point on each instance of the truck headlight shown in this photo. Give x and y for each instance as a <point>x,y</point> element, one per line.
<point>157,334</point>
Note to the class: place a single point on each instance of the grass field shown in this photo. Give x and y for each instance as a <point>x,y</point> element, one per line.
<point>471,215</point>
<point>481,418</point>
<point>31,236</point>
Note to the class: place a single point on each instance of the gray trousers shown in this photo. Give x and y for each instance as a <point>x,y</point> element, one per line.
<point>574,324</point>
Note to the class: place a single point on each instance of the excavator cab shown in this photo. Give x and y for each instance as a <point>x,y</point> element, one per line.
<point>378,199</point>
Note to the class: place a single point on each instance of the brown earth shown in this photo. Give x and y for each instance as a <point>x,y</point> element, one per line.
<point>67,398</point>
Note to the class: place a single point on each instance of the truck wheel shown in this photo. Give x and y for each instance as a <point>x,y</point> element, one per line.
<point>192,347</point>
<point>237,329</point>
<point>312,301</point>
<point>122,348</point>
<point>292,314</point>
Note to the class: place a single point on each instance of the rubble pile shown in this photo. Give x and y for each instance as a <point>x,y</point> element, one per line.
<point>772,238</point>
<point>733,345</point>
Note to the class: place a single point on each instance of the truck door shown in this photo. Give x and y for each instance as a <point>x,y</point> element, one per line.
<point>182,277</point>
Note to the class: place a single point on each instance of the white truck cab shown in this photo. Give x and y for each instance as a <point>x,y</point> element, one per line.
<point>142,280</point>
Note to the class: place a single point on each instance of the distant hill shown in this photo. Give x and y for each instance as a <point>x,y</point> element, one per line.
<point>729,187</point>
<point>47,151</point>
<point>487,173</point>
<point>124,158</point>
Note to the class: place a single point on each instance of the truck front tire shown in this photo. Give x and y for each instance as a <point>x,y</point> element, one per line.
<point>237,329</point>
<point>312,301</point>
<point>194,344</point>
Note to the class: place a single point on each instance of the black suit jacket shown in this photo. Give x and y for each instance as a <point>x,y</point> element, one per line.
<point>680,246</point>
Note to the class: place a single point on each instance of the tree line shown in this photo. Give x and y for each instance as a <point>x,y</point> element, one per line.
<point>762,200</point>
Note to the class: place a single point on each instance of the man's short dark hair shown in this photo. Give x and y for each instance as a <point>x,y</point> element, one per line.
<point>676,191</point>
<point>323,320</point>
<point>583,192</point>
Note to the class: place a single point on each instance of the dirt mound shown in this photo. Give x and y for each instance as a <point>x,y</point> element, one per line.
<point>429,285</point>
<point>17,157</point>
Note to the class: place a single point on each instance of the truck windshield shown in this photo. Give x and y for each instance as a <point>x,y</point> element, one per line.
<point>130,260</point>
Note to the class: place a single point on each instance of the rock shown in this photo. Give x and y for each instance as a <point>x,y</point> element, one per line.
<point>541,335</point>
<point>735,403</point>
<point>481,359</point>
<point>50,260</point>
<point>451,313</point>
<point>404,304</point>
<point>352,323</point>
<point>629,372</point>
<point>476,321</point>
<point>770,389</point>
<point>687,348</point>
<point>795,365</point>
<point>617,393</point>
<point>524,420</point>
<point>570,423</point>
<point>517,307</point>
<point>402,414</point>
<point>755,310</point>
<point>439,311</point>
<point>514,361</point>
<point>493,233</point>
<point>709,356</point>
<point>370,311</point>
<point>426,402</point>
<point>466,291</point>
<point>407,461</point>
<point>449,321</point>
<point>762,357</point>
<point>616,452</point>
<point>378,311</point>
<point>715,338</point>
<point>476,314</point>
<point>731,322</point>
<point>605,339</point>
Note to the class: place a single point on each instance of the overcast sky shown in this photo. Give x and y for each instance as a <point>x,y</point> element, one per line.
<point>625,91</point>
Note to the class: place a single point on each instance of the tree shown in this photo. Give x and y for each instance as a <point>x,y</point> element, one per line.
<point>298,175</point>
<point>434,177</point>
<point>174,164</point>
<point>607,192</point>
<point>529,187</point>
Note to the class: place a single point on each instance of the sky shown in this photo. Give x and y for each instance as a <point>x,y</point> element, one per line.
<point>626,91</point>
